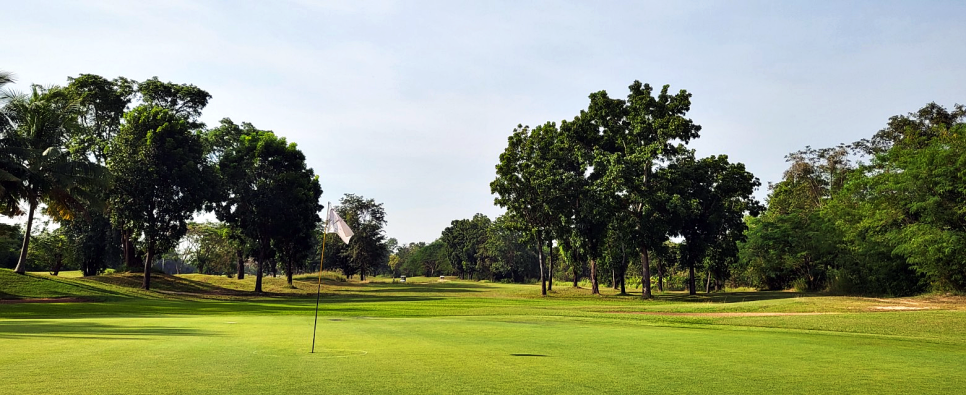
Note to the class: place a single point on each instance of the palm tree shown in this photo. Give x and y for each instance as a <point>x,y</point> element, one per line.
<point>9,165</point>
<point>39,125</point>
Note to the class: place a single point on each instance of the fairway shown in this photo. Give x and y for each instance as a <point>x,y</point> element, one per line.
<point>468,337</point>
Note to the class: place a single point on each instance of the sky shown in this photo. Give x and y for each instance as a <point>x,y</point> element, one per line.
<point>411,103</point>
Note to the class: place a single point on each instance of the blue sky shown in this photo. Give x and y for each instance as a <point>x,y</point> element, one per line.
<point>410,103</point>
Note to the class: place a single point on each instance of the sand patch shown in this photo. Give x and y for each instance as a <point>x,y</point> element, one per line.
<point>748,314</point>
<point>899,308</point>
<point>44,300</point>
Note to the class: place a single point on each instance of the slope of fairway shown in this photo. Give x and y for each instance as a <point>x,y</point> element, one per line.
<point>469,337</point>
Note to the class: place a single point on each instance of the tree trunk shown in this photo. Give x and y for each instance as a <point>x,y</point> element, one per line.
<point>622,278</point>
<point>130,253</point>
<point>707,285</point>
<point>147,265</point>
<point>543,280</point>
<point>22,263</point>
<point>613,278</point>
<point>645,274</point>
<point>660,276</point>
<point>574,266</point>
<point>57,265</point>
<point>125,250</point>
<point>258,273</point>
<point>594,286</point>
<point>288,272</point>
<point>241,266</point>
<point>692,290</point>
<point>550,266</point>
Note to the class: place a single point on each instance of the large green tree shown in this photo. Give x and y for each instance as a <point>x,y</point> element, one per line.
<point>39,126</point>
<point>635,135</point>
<point>265,185</point>
<point>525,187</point>
<point>464,239</point>
<point>161,178</point>
<point>367,248</point>
<point>710,199</point>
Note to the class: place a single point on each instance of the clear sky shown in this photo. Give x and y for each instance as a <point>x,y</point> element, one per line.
<point>410,103</point>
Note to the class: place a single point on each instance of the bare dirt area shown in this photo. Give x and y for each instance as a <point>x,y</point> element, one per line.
<point>745,314</point>
<point>928,302</point>
<point>44,300</point>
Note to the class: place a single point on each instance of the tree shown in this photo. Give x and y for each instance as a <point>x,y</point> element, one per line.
<point>506,250</point>
<point>102,105</point>
<point>710,198</point>
<point>464,240</point>
<point>638,133</point>
<point>53,251</point>
<point>161,178</point>
<point>912,200</point>
<point>265,185</point>
<point>367,248</point>
<point>299,194</point>
<point>11,166</point>
<point>10,239</point>
<point>586,199</point>
<point>183,100</point>
<point>522,183</point>
<point>40,125</point>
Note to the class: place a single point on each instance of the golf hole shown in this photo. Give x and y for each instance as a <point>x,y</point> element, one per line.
<point>334,353</point>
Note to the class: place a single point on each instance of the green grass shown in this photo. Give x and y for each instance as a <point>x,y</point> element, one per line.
<point>206,334</point>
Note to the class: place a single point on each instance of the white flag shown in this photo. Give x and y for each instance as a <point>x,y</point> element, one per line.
<point>338,226</point>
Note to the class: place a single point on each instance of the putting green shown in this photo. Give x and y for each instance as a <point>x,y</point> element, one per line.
<point>504,354</point>
<point>209,335</point>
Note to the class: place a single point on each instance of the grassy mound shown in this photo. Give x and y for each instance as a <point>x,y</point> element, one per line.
<point>41,286</point>
<point>127,285</point>
<point>195,334</point>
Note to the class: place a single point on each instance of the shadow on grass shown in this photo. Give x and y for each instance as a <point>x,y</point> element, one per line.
<point>330,304</point>
<point>731,297</point>
<point>161,282</point>
<point>427,288</point>
<point>29,286</point>
<point>87,330</point>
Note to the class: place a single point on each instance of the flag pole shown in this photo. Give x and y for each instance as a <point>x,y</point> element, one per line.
<point>318,294</point>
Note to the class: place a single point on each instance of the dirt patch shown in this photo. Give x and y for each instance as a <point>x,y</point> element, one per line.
<point>713,314</point>
<point>44,300</point>
<point>900,308</point>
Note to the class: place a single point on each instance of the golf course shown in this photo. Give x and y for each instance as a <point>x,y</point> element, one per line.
<point>208,335</point>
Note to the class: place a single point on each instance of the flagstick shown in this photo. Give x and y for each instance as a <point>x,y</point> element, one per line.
<point>318,294</point>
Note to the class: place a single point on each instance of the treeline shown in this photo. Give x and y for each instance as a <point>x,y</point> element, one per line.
<point>617,182</point>
<point>617,187</point>
<point>476,248</point>
<point>122,166</point>
<point>613,196</point>
<point>885,215</point>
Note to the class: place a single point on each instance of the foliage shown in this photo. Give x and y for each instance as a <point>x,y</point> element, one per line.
<point>161,178</point>
<point>11,238</point>
<point>508,253</point>
<point>464,240</point>
<point>892,226</point>
<point>266,185</point>
<point>40,125</point>
<point>710,199</point>
<point>210,248</point>
<point>367,250</point>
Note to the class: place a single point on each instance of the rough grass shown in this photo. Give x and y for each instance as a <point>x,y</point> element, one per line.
<point>206,334</point>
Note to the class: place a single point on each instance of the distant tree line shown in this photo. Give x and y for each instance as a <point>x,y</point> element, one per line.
<point>884,215</point>
<point>122,166</point>
<point>616,191</point>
